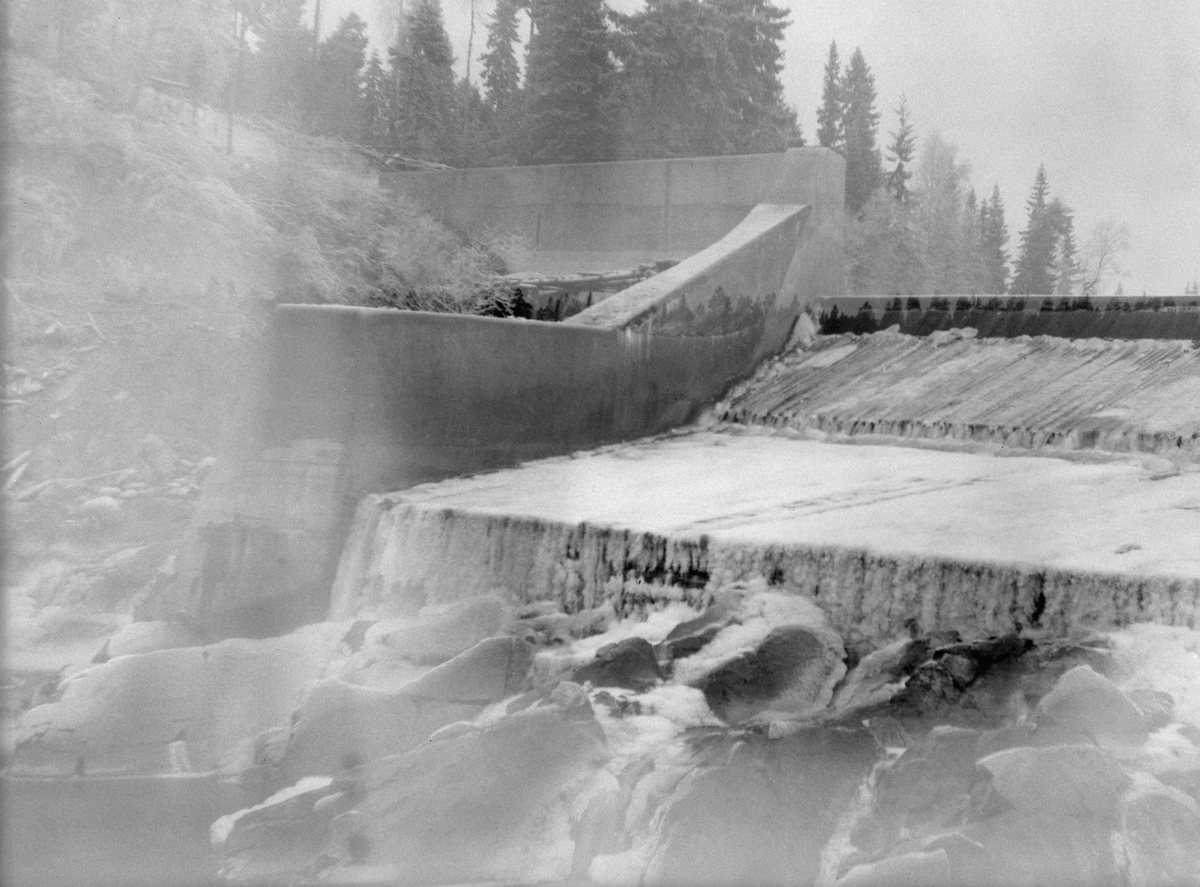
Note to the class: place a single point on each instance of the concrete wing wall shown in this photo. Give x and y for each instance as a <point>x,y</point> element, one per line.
<point>602,216</point>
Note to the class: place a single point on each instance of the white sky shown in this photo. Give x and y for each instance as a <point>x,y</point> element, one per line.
<point>1105,93</point>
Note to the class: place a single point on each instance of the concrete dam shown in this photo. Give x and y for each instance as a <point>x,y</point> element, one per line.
<point>357,401</point>
<point>727,578</point>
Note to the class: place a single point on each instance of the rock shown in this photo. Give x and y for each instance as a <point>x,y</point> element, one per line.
<point>1159,836</point>
<point>1091,704</point>
<point>277,854</point>
<point>877,676</point>
<point>1024,849</point>
<point>587,623</point>
<point>552,629</point>
<point>481,806</point>
<point>338,722</point>
<point>442,633</point>
<point>919,869</point>
<point>760,811</point>
<point>534,609</point>
<point>981,655</point>
<point>1066,780</point>
<point>794,669</point>
<point>121,717</point>
<point>101,509</point>
<point>629,663</point>
<point>204,466</point>
<point>147,637</point>
<point>1156,706</point>
<point>928,788</point>
<point>490,671</point>
<point>158,458</point>
<point>339,725</point>
<point>690,636</point>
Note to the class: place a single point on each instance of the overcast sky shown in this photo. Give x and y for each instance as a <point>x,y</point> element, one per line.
<point>1105,93</point>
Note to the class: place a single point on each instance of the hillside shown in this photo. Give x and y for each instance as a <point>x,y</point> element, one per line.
<point>142,264</point>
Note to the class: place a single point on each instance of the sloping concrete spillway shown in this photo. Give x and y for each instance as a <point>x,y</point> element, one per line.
<point>357,401</point>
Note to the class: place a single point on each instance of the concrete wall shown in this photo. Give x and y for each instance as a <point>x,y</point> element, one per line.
<point>604,216</point>
<point>356,401</point>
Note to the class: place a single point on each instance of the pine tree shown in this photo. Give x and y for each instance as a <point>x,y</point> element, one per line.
<point>1065,268</point>
<point>754,33</point>
<point>1033,269</point>
<point>423,84</point>
<point>942,184</point>
<point>900,153</point>
<point>829,115</point>
<point>569,77</point>
<point>501,77</point>
<point>685,85</point>
<point>372,110</point>
<point>972,269</point>
<point>883,251</point>
<point>282,69</point>
<point>994,235</point>
<point>860,121</point>
<point>339,88</point>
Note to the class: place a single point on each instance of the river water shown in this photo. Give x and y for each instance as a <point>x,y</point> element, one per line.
<point>124,832</point>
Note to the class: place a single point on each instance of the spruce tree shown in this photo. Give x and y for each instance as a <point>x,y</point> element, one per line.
<point>829,115</point>
<point>994,234</point>
<point>900,153</point>
<point>754,34</point>
<point>689,88</point>
<point>372,110</point>
<point>570,114</point>
<point>338,88</point>
<point>501,76</point>
<point>1065,268</point>
<point>860,122</point>
<point>1033,269</point>
<point>282,65</point>
<point>423,83</point>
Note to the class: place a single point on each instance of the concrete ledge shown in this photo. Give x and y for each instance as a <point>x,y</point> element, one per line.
<point>878,537</point>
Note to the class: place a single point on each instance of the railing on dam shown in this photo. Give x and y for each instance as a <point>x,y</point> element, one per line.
<point>1010,315</point>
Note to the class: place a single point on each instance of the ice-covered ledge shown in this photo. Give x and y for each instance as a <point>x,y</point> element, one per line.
<point>878,535</point>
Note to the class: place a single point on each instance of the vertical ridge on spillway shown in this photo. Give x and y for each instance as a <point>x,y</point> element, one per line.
<point>1117,396</point>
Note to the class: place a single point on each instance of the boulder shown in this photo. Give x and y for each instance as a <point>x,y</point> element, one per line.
<point>1066,780</point>
<point>1025,849</point>
<point>1159,834</point>
<point>690,636</point>
<point>122,717</point>
<point>760,811</point>
<point>491,670</point>
<point>1091,704</point>
<point>877,676</point>
<point>792,670</point>
<point>629,663</point>
<point>927,789</point>
<point>441,633</point>
<point>479,806</point>
<point>148,637</point>
<point>338,722</point>
<point>159,460</point>
<point>919,869</point>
